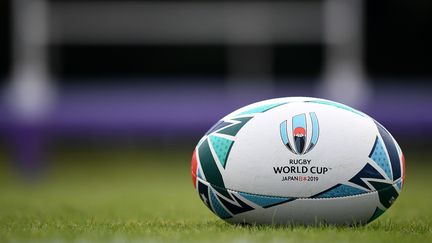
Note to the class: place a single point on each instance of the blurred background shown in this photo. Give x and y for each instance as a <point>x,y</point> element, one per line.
<point>90,82</point>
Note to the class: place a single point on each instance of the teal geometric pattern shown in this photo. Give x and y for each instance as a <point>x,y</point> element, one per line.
<point>199,174</point>
<point>337,105</point>
<point>261,108</point>
<point>340,190</point>
<point>222,147</point>
<point>379,155</point>
<point>399,184</point>
<point>265,201</point>
<point>218,208</point>
<point>234,129</point>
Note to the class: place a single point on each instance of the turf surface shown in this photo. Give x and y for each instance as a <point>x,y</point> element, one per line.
<point>140,195</point>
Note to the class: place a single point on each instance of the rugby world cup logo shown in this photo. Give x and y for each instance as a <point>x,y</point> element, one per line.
<point>302,136</point>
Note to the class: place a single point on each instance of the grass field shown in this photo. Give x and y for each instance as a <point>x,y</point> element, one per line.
<point>147,195</point>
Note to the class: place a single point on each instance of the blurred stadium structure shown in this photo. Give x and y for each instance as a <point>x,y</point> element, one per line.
<point>38,104</point>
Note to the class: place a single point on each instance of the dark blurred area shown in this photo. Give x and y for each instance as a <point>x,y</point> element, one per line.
<point>397,41</point>
<point>140,73</point>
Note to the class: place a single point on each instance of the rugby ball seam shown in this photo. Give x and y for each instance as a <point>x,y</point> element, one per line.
<point>312,198</point>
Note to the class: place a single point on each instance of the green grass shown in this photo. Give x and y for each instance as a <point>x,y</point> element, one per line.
<point>136,195</point>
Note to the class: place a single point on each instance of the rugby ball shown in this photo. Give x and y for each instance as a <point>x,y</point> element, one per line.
<point>298,161</point>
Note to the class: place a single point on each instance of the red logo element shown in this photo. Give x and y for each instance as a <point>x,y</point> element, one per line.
<point>194,168</point>
<point>299,131</point>
<point>403,169</point>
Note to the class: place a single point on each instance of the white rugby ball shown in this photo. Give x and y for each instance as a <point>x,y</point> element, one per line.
<point>298,161</point>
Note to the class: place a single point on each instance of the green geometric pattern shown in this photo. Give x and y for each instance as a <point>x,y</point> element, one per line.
<point>234,129</point>
<point>222,147</point>
<point>210,169</point>
<point>376,214</point>
<point>386,192</point>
